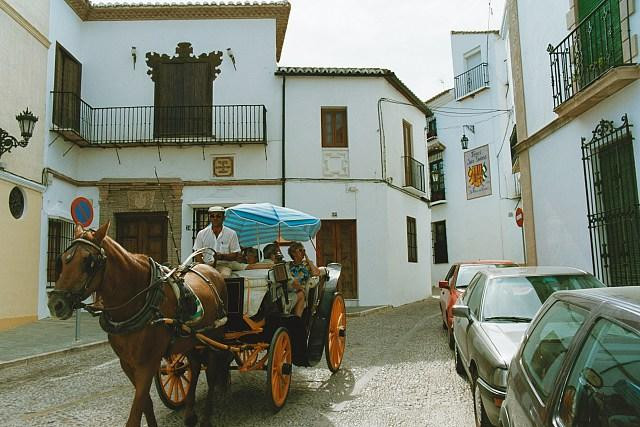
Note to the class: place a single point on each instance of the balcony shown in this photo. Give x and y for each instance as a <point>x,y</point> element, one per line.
<point>413,173</point>
<point>85,125</point>
<point>593,61</point>
<point>472,81</point>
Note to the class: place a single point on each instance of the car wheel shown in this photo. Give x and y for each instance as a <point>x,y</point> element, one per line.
<point>459,366</point>
<point>480,415</point>
<point>452,342</point>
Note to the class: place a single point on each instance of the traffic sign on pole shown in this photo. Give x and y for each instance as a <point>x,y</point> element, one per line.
<point>519,217</point>
<point>82,211</point>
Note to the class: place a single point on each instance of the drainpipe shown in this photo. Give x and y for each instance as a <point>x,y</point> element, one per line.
<point>284,79</point>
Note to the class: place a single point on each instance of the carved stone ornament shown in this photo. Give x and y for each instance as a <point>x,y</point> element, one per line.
<point>140,199</point>
<point>184,53</point>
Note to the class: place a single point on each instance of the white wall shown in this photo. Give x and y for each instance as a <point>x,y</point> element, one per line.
<point>109,79</point>
<point>481,228</point>
<point>306,95</point>
<point>557,180</point>
<point>557,175</point>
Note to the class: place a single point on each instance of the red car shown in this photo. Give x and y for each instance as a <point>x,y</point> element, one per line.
<point>456,282</point>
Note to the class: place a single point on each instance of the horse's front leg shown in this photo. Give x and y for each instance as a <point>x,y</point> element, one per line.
<point>190,417</point>
<point>142,378</point>
<point>218,376</point>
<point>147,408</point>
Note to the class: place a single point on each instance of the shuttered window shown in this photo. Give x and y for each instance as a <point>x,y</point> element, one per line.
<point>334,127</point>
<point>412,240</point>
<point>183,100</point>
<point>67,90</point>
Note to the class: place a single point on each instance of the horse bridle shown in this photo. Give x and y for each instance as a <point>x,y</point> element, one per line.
<point>93,264</point>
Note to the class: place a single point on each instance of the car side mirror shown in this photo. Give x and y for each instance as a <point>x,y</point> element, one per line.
<point>461,311</point>
<point>443,284</point>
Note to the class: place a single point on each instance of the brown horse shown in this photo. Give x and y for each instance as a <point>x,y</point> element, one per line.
<point>131,299</point>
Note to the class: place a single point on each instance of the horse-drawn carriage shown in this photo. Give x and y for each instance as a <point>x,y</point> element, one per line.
<point>284,340</point>
<point>243,323</point>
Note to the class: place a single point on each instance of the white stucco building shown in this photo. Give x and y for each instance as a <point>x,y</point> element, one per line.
<point>23,48</point>
<point>576,94</point>
<point>474,192</point>
<point>194,93</point>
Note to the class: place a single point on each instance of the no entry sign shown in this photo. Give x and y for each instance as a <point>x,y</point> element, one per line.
<point>519,217</point>
<point>82,211</point>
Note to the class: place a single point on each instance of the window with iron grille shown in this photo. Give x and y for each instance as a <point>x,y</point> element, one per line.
<point>439,239</point>
<point>60,236</point>
<point>412,240</point>
<point>200,221</point>
<point>436,179</point>
<point>432,129</point>
<point>613,211</point>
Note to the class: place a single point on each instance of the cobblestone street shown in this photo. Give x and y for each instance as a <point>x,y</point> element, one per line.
<point>397,370</point>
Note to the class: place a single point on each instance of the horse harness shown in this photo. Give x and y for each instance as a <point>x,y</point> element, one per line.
<point>187,301</point>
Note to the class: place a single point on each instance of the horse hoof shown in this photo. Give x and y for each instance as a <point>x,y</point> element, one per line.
<point>191,420</point>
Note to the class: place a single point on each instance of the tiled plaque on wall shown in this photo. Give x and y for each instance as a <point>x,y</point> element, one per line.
<point>223,166</point>
<point>335,163</point>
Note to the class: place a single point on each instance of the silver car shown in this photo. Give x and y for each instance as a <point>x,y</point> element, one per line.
<point>491,319</point>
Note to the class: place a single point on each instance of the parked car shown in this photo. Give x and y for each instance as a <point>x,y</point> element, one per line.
<point>579,364</point>
<point>491,319</point>
<point>454,285</point>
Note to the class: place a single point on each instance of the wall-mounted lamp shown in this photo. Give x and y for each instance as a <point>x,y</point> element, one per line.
<point>232,57</point>
<point>435,176</point>
<point>134,55</point>
<point>464,142</point>
<point>27,122</point>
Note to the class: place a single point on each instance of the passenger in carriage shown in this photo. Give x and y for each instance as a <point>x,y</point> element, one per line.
<point>301,269</point>
<point>272,256</point>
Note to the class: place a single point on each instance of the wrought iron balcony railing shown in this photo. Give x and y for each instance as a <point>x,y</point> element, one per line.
<point>596,45</point>
<point>178,125</point>
<point>472,80</point>
<point>413,173</point>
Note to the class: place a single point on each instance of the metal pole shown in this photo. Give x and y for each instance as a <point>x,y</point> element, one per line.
<point>77,324</point>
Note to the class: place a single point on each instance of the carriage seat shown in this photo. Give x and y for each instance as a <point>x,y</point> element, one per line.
<point>256,286</point>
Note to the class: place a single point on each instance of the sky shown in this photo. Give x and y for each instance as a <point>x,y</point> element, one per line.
<point>409,37</point>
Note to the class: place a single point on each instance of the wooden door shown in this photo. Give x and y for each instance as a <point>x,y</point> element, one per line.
<point>407,135</point>
<point>66,87</point>
<point>143,233</point>
<point>336,242</point>
<point>183,97</point>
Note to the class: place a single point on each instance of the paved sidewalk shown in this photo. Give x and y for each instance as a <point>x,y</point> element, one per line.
<point>49,336</point>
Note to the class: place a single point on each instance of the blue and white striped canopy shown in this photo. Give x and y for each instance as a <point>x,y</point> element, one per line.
<point>261,223</point>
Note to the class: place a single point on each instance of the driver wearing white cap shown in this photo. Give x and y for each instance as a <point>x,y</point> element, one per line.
<point>222,239</point>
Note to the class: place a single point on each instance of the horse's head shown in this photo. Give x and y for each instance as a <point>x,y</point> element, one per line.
<point>78,271</point>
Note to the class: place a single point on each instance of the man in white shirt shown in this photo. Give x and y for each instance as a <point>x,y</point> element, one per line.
<point>223,240</point>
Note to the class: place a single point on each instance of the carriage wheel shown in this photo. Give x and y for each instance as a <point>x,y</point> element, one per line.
<point>279,368</point>
<point>336,334</point>
<point>173,380</point>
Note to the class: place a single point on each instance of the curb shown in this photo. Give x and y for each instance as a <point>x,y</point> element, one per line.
<point>369,311</point>
<point>30,359</point>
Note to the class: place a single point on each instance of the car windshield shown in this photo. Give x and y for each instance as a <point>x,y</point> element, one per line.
<point>467,272</point>
<point>517,299</point>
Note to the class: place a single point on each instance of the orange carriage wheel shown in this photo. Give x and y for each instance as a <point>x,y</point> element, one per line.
<point>336,334</point>
<point>173,380</point>
<point>279,368</point>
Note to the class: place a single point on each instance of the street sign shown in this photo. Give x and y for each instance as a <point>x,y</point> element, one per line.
<point>82,211</point>
<point>519,217</point>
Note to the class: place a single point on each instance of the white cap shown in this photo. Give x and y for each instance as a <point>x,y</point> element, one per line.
<point>216,209</point>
